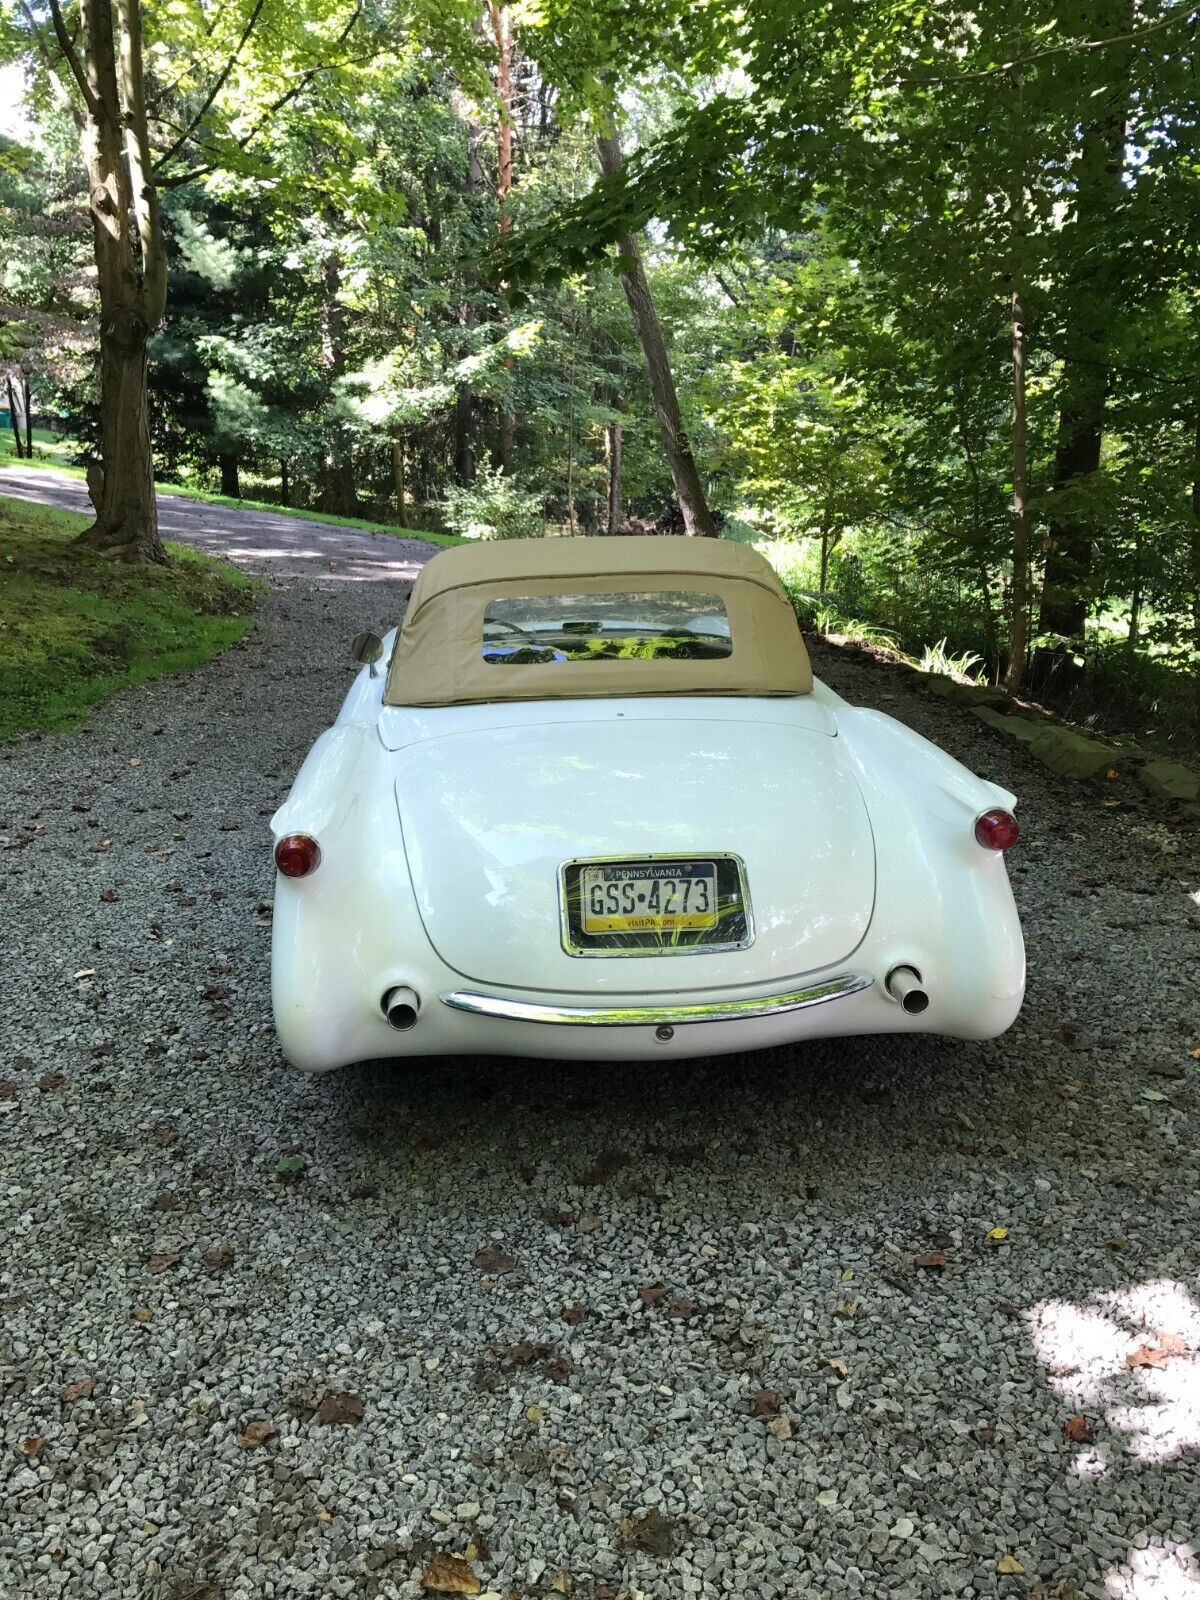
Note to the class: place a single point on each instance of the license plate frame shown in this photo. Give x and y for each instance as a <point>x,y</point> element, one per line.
<point>730,928</point>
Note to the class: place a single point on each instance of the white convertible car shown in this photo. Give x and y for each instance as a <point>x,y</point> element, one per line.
<point>595,805</point>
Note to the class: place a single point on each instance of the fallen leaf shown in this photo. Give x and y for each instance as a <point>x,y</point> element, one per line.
<point>561,1584</point>
<point>219,1259</point>
<point>780,1427</point>
<point>494,1260</point>
<point>651,1533</point>
<point>606,1165</point>
<point>1194,1052</point>
<point>1071,1088</point>
<point>574,1314</point>
<point>986,1434</point>
<point>135,761</point>
<point>450,1574</point>
<point>1168,1069</point>
<point>847,1310</point>
<point>1009,1565</point>
<point>85,972</point>
<point>50,1081</point>
<point>142,1314</point>
<point>535,1414</point>
<point>291,1168</point>
<point>838,1366</point>
<point>1116,1242</point>
<point>936,1260</point>
<point>79,1390</point>
<point>164,1260</point>
<point>766,1403</point>
<point>8,1089</point>
<point>164,1133</point>
<point>345,1408</point>
<point>682,1307</point>
<point>1078,1430</point>
<point>1157,1355</point>
<point>558,1370</point>
<point>254,1434</point>
<point>32,1447</point>
<point>652,1293</point>
<point>1152,1094</point>
<point>998,1234</point>
<point>558,1218</point>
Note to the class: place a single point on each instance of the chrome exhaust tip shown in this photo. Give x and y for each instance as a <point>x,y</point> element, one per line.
<point>904,986</point>
<point>400,1007</point>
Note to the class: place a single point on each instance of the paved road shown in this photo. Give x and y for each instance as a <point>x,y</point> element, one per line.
<point>750,1328</point>
<point>265,542</point>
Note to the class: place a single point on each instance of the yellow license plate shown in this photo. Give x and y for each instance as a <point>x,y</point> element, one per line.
<point>648,896</point>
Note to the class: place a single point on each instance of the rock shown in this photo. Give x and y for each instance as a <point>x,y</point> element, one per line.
<point>1072,754</point>
<point>1169,780</point>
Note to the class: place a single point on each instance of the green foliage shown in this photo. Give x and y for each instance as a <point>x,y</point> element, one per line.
<point>494,507</point>
<point>76,628</point>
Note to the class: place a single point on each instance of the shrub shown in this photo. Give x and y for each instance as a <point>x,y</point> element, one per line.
<point>494,507</point>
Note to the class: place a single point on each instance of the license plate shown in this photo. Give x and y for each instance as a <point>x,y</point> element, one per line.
<point>648,896</point>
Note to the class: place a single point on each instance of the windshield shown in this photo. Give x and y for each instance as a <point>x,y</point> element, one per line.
<point>529,630</point>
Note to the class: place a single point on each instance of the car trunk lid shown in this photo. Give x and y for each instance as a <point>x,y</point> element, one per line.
<point>491,816</point>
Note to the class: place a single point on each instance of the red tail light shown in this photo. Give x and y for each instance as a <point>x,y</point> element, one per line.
<point>296,855</point>
<point>997,829</point>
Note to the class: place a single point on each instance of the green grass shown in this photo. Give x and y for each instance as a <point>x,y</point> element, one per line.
<point>75,628</point>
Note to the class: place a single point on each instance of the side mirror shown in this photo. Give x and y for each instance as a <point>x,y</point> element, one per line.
<point>366,649</point>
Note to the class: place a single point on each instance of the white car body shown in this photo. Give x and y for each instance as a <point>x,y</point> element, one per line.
<point>444,832</point>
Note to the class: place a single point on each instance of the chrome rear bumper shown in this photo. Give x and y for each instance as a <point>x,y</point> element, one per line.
<point>487,1005</point>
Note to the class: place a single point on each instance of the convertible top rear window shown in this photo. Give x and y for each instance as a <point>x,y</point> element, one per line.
<point>563,619</point>
<point>645,625</point>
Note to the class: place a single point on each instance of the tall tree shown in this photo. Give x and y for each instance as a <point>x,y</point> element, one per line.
<point>697,519</point>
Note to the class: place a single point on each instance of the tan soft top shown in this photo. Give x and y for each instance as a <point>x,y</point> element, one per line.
<point>438,658</point>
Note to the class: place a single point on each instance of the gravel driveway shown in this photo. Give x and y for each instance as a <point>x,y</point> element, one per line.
<point>869,1317</point>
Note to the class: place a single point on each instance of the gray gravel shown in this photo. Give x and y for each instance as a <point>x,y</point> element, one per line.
<point>156,1262</point>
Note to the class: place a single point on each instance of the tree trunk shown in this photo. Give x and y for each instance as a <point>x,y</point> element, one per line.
<point>398,479</point>
<point>339,491</point>
<point>131,269</point>
<point>12,418</point>
<point>501,18</point>
<point>126,525</point>
<point>1091,301</point>
<point>613,441</point>
<point>464,455</point>
<point>1018,627</point>
<point>697,518</point>
<point>1196,546</point>
<point>28,416</point>
<point>285,496</point>
<point>230,485</point>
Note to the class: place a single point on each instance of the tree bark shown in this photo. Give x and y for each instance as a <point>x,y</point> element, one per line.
<point>12,418</point>
<point>339,491</point>
<point>501,18</point>
<point>697,519</point>
<point>230,486</point>
<point>131,273</point>
<point>1018,627</point>
<point>614,441</point>
<point>398,479</point>
<point>28,416</point>
<point>285,497</point>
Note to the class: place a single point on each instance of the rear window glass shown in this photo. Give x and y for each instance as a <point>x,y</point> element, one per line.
<point>675,624</point>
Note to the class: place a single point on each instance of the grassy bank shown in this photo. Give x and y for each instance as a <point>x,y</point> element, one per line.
<point>74,629</point>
